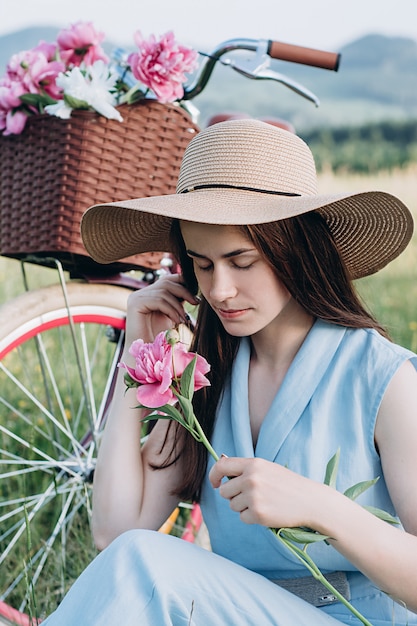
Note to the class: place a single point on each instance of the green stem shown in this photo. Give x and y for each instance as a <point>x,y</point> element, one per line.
<point>204,439</point>
<point>317,574</point>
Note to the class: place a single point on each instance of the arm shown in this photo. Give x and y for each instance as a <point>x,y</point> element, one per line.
<point>269,494</point>
<point>127,492</point>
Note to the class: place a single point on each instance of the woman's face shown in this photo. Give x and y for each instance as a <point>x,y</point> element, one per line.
<point>234,278</point>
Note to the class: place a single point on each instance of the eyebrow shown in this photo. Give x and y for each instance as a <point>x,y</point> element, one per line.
<point>228,255</point>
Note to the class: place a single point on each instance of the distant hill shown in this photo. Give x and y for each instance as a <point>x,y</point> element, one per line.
<point>377,80</point>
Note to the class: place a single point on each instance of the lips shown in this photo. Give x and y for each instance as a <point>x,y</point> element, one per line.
<point>231,313</point>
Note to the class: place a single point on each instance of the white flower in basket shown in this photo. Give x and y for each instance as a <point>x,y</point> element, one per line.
<point>94,87</point>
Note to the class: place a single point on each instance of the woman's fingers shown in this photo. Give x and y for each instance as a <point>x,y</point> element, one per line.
<point>168,293</point>
<point>225,468</point>
<point>263,492</point>
<point>157,307</point>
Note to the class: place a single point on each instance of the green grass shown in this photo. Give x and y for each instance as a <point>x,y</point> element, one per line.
<point>391,294</point>
<point>11,278</point>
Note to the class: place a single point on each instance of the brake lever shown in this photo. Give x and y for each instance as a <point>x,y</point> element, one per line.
<point>257,67</point>
<point>268,74</point>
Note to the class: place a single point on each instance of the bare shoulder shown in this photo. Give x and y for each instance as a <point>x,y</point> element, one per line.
<point>396,439</point>
<point>401,393</point>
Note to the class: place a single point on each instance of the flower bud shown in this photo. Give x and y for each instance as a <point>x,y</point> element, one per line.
<point>172,336</point>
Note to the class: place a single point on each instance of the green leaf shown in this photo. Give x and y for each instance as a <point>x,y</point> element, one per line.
<point>134,94</point>
<point>303,536</point>
<point>152,417</point>
<point>331,470</point>
<point>187,408</point>
<point>356,490</point>
<point>129,382</point>
<point>384,515</point>
<point>36,99</point>
<point>168,409</point>
<point>155,416</point>
<point>76,103</point>
<point>187,379</point>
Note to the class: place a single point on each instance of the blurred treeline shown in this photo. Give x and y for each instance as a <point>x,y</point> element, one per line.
<point>365,149</point>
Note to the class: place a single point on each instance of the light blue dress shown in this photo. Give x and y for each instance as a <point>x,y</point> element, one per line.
<point>329,400</point>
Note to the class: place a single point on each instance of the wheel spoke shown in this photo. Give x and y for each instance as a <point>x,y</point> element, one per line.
<point>39,405</point>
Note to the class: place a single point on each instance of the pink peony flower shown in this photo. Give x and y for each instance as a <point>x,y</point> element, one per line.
<point>162,65</point>
<point>159,366</point>
<point>49,50</point>
<point>10,92</point>
<point>12,122</point>
<point>36,70</point>
<point>81,43</point>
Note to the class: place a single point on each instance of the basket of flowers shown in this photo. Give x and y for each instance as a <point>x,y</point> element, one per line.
<point>79,129</point>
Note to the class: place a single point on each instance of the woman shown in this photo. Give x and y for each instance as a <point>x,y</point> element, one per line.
<point>299,370</point>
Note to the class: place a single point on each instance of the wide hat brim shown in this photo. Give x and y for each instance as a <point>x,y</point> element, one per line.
<point>370,228</point>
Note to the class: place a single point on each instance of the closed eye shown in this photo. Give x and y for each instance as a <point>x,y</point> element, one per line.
<point>243,267</point>
<point>207,268</point>
<point>203,268</point>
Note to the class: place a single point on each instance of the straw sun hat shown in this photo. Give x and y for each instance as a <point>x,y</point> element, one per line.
<point>250,172</point>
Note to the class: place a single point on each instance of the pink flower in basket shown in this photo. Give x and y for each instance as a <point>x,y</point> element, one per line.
<point>75,73</point>
<point>36,71</point>
<point>162,65</point>
<point>12,123</point>
<point>10,93</point>
<point>158,368</point>
<point>81,43</point>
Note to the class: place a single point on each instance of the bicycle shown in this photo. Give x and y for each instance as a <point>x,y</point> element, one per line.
<point>59,349</point>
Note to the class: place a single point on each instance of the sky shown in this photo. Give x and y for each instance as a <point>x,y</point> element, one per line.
<point>323,24</point>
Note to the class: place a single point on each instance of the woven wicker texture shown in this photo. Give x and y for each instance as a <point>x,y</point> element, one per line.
<point>57,168</point>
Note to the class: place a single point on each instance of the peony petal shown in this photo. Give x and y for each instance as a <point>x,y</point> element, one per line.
<point>15,123</point>
<point>152,397</point>
<point>132,373</point>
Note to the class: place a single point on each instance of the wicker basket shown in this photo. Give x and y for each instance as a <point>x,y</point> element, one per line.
<point>56,168</point>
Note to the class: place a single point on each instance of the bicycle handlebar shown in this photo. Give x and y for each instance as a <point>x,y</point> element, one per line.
<point>258,66</point>
<point>305,56</point>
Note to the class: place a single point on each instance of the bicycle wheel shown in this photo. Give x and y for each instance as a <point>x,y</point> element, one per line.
<point>56,369</point>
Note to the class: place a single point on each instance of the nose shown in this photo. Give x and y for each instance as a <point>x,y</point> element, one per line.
<point>222,286</point>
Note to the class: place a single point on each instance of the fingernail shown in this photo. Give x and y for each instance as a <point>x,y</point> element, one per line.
<point>224,456</point>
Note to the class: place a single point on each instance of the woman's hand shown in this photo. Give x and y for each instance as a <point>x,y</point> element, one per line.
<point>266,493</point>
<point>156,308</point>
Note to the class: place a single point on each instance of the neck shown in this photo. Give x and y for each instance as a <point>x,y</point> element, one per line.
<point>276,345</point>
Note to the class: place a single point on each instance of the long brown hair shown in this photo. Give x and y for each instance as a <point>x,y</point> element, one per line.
<point>304,257</point>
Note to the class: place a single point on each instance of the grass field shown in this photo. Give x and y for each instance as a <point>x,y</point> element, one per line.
<point>391,294</point>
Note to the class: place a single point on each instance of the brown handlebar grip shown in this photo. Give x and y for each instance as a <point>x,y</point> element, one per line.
<point>305,56</point>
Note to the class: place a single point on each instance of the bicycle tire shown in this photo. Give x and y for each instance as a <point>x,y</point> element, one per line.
<point>55,368</point>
